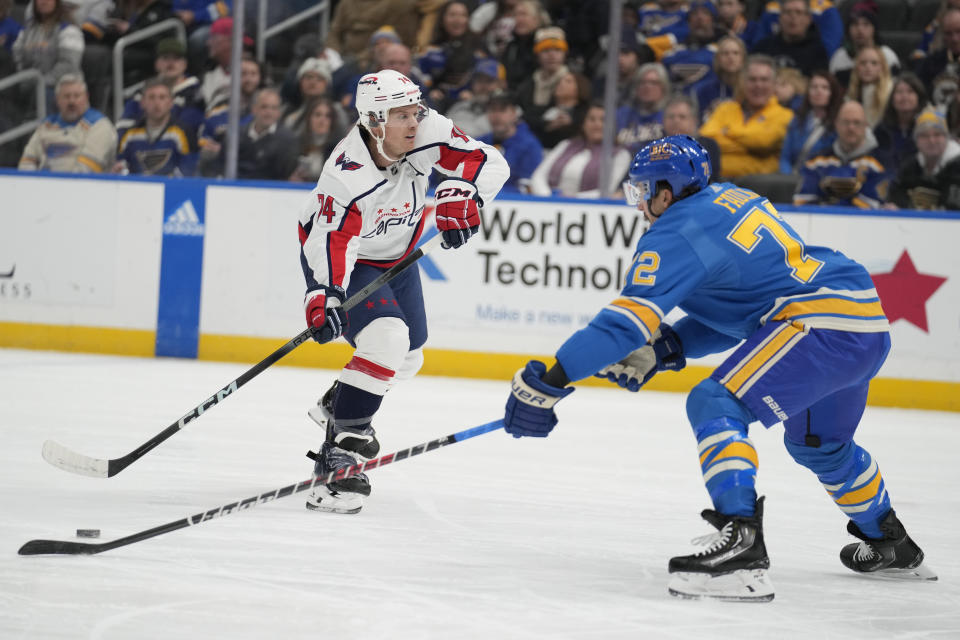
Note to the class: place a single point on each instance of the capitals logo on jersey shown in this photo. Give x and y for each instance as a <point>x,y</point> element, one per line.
<point>346,164</point>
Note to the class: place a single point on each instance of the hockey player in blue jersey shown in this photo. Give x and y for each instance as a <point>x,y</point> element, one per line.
<point>811,335</point>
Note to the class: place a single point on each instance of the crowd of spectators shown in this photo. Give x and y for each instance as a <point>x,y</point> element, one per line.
<point>804,91</point>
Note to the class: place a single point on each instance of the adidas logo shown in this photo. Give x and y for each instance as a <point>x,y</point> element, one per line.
<point>184,221</point>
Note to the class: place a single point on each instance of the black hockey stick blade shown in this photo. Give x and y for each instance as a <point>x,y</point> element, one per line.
<point>64,547</point>
<point>65,458</point>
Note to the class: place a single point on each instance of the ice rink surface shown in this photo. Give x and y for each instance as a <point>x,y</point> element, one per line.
<point>567,537</point>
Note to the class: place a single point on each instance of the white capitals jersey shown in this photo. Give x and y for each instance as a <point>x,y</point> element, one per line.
<point>360,213</point>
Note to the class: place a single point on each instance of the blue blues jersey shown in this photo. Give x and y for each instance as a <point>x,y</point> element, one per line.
<point>860,182</point>
<point>204,11</point>
<point>214,127</point>
<point>728,259</point>
<point>171,153</point>
<point>654,21</point>
<point>688,65</point>
<point>636,128</point>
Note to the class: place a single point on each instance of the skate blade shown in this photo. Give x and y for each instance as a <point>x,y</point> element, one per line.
<point>745,585</point>
<point>319,415</point>
<point>322,499</point>
<point>919,573</point>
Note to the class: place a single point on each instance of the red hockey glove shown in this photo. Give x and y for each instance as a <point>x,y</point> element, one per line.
<point>458,216</point>
<point>326,318</point>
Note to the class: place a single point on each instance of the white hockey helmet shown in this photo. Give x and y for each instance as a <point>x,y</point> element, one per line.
<point>379,92</point>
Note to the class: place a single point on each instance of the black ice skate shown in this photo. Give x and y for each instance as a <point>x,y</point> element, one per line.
<point>356,436</point>
<point>342,496</point>
<point>895,555</point>
<point>732,566</point>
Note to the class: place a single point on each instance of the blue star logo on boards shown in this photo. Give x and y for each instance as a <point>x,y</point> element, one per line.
<point>184,221</point>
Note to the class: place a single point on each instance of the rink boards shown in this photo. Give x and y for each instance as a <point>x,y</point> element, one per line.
<point>211,269</point>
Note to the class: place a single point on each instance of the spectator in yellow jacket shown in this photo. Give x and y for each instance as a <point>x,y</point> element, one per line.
<point>750,129</point>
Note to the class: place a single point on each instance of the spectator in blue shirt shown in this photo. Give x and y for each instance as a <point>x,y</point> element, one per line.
<point>513,138</point>
<point>9,28</point>
<point>812,131</point>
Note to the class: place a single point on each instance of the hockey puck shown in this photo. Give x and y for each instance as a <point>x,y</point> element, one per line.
<point>88,533</point>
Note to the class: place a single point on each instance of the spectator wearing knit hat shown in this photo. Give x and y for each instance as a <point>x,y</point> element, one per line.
<point>861,31</point>
<point>314,79</point>
<point>199,16</point>
<point>519,57</point>
<point>469,112</point>
<point>171,67</point>
<point>535,94</point>
<point>219,47</point>
<point>930,179</point>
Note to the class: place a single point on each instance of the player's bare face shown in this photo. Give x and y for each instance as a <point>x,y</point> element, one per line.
<point>654,207</point>
<point>400,130</point>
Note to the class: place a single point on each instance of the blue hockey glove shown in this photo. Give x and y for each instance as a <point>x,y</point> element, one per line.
<point>529,409</point>
<point>325,315</point>
<point>663,353</point>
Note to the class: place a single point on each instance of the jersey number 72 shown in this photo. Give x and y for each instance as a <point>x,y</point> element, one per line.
<point>746,235</point>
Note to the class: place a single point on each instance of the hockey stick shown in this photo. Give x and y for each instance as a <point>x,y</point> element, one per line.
<point>69,547</point>
<point>68,460</point>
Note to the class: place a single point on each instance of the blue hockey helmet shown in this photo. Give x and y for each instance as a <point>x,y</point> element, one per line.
<point>680,161</point>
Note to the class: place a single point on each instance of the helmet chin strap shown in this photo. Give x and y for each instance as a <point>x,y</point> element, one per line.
<point>378,140</point>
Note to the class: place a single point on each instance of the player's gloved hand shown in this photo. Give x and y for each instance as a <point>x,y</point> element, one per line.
<point>326,318</point>
<point>458,216</point>
<point>663,353</point>
<point>529,409</point>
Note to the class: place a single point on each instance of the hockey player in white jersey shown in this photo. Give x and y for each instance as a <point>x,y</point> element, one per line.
<point>366,214</point>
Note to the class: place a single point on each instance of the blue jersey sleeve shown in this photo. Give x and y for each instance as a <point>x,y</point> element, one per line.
<point>661,276</point>
<point>699,340</point>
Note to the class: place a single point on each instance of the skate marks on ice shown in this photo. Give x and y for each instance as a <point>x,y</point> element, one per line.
<point>566,537</point>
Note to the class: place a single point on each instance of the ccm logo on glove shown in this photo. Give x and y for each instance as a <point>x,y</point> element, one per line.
<point>458,216</point>
<point>455,192</point>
